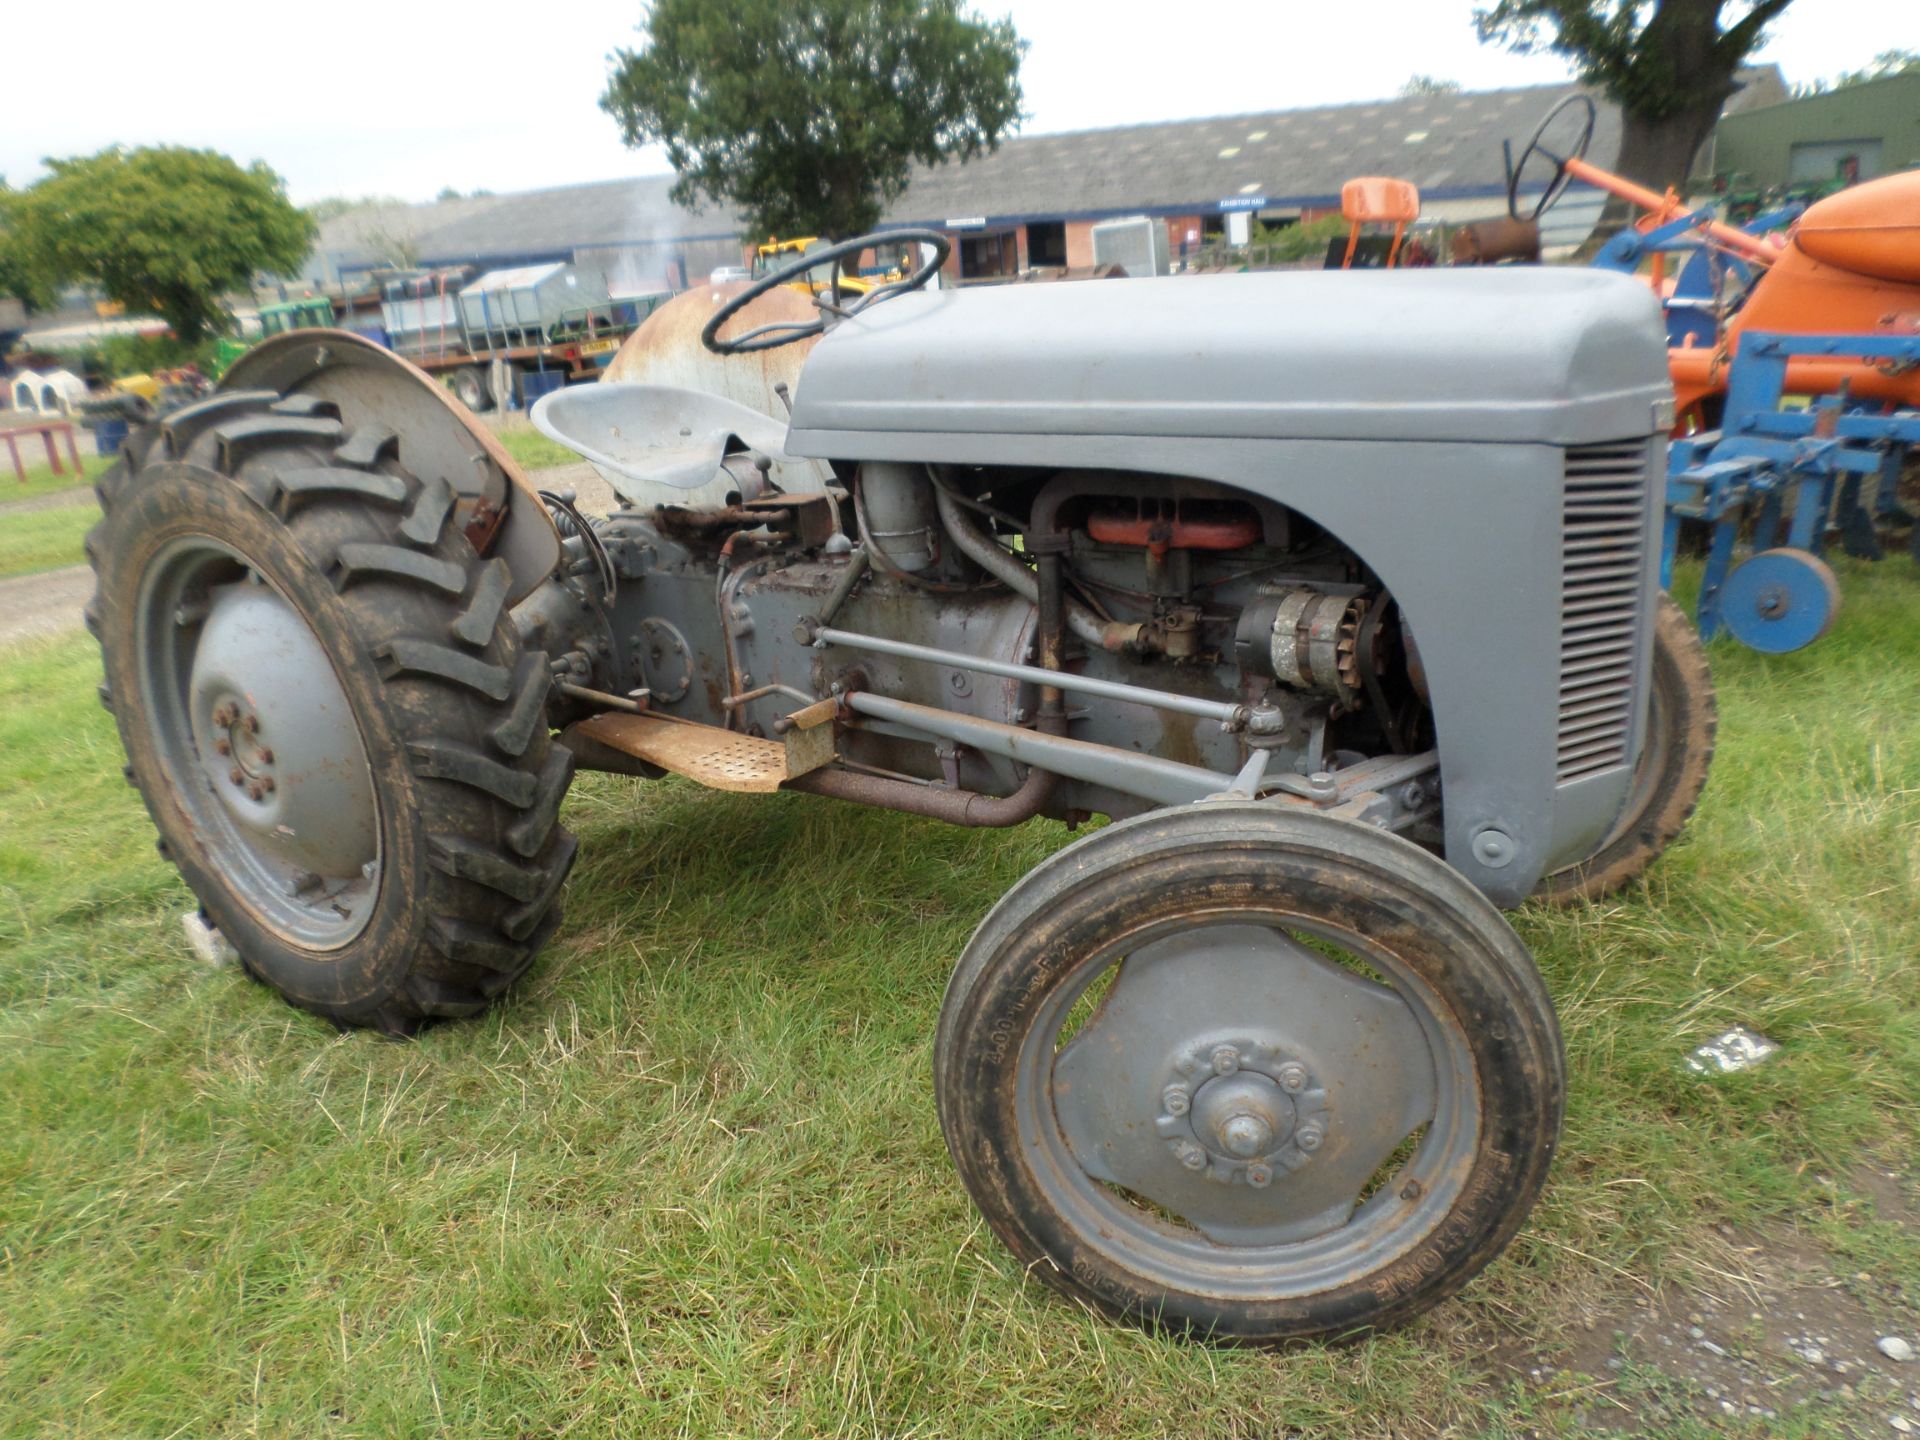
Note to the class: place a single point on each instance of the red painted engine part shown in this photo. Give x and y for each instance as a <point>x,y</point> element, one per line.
<point>1161,533</point>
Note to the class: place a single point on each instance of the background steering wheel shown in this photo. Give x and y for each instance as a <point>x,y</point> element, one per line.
<point>1557,186</point>
<point>785,332</point>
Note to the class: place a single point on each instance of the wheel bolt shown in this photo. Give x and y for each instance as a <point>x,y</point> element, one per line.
<point>1293,1077</point>
<point>236,777</point>
<point>251,724</point>
<point>1226,1060</point>
<point>266,783</point>
<point>222,747</point>
<point>255,792</point>
<point>224,715</point>
<point>1412,1190</point>
<point>1174,1099</point>
<point>266,755</point>
<point>1191,1155</point>
<point>1259,1176</point>
<point>1308,1137</point>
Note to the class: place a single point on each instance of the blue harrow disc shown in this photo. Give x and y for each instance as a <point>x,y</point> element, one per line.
<point>1780,600</point>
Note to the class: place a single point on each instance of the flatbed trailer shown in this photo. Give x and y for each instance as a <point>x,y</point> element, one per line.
<point>574,349</point>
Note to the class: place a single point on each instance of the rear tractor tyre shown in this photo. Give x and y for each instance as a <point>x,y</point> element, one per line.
<point>1250,1074</point>
<point>1672,772</point>
<point>328,712</point>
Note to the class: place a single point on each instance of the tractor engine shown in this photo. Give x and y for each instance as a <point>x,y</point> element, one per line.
<point>735,614</point>
<point>1013,599</point>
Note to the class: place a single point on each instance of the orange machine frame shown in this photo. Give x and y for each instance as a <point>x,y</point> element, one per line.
<point>1849,266</point>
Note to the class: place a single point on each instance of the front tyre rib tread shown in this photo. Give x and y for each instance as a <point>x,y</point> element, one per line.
<point>1209,859</point>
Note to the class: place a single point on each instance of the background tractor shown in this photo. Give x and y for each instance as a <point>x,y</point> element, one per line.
<point>1354,645</point>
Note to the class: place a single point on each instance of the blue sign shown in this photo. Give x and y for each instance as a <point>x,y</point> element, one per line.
<point>1243,202</point>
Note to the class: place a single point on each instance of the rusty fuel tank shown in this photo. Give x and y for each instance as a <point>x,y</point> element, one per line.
<point>666,349</point>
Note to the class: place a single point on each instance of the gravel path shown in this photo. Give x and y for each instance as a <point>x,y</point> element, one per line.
<point>50,602</point>
<point>52,500</point>
<point>45,604</point>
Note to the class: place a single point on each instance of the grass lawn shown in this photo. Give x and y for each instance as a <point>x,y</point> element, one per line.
<point>533,450</point>
<point>37,540</point>
<point>686,1179</point>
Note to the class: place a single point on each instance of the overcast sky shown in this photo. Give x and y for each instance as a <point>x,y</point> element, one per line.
<point>384,97</point>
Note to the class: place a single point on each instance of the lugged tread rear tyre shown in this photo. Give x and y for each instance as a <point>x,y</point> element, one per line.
<point>448,709</point>
<point>1678,752</point>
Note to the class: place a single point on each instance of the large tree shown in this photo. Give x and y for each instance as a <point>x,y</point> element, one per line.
<point>165,231</point>
<point>1670,64</point>
<point>808,117</point>
<point>19,276</point>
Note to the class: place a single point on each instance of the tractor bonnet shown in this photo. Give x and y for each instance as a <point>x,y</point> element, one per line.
<point>1562,356</point>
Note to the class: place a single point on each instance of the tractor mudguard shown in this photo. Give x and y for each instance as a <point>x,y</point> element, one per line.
<point>437,435</point>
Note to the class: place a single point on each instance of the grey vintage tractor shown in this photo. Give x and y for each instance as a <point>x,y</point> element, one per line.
<point>1335,592</point>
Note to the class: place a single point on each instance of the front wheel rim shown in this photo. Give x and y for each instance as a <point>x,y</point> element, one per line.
<point>1182,1200</point>
<point>259,744</point>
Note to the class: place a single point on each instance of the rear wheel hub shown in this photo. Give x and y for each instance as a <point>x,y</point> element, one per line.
<point>264,749</point>
<point>275,733</point>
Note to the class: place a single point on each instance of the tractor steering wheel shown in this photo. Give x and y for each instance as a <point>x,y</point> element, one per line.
<point>785,332</point>
<point>1557,186</point>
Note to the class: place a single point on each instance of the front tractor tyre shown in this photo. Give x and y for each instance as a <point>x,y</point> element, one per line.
<point>1250,1074</point>
<point>327,710</point>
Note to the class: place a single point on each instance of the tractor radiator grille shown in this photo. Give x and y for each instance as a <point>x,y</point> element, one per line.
<point>1602,564</point>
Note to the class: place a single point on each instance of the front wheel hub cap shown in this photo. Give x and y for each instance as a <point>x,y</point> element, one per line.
<point>1242,1111</point>
<point>1244,1115</point>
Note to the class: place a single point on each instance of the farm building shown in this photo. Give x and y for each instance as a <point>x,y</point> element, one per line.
<point>1855,133</point>
<point>1033,202</point>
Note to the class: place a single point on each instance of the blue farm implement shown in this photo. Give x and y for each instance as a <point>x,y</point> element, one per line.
<point>1794,478</point>
<point>1795,359</point>
<point>1794,354</point>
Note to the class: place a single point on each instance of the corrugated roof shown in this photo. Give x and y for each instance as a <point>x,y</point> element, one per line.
<point>521,225</point>
<point>1448,145</point>
<point>1445,144</point>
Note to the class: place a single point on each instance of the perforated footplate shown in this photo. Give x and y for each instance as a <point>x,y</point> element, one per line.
<point>718,759</point>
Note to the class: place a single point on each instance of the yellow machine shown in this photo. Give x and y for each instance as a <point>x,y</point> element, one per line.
<point>147,387</point>
<point>776,253</point>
